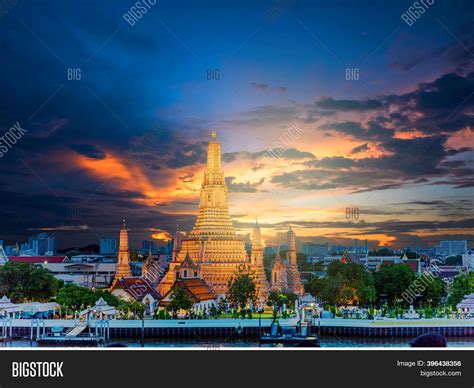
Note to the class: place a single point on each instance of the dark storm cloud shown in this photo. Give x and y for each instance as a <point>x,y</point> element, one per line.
<point>408,160</point>
<point>361,148</point>
<point>441,106</point>
<point>281,116</point>
<point>88,150</point>
<point>129,75</point>
<point>437,109</point>
<point>114,102</point>
<point>122,194</point>
<point>286,153</point>
<point>458,52</point>
<point>337,162</point>
<point>372,131</point>
<point>293,153</point>
<point>242,187</point>
<point>389,227</point>
<point>189,155</point>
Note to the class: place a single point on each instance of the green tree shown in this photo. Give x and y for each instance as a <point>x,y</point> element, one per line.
<point>434,292</point>
<point>314,286</point>
<point>242,289</point>
<point>20,281</point>
<point>276,301</point>
<point>462,286</point>
<point>222,305</point>
<point>180,300</point>
<point>345,283</point>
<point>381,252</point>
<point>393,280</point>
<point>214,312</point>
<point>291,299</point>
<point>76,297</point>
<point>132,307</point>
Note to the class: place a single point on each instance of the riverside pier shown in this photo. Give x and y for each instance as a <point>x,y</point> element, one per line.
<point>181,328</point>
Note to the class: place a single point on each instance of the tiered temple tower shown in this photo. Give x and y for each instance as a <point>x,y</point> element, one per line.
<point>285,275</point>
<point>279,279</point>
<point>212,243</point>
<point>152,270</point>
<point>256,262</point>
<point>293,276</point>
<point>123,265</point>
<point>176,243</point>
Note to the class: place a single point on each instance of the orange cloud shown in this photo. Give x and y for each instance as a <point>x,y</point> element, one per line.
<point>126,175</point>
<point>160,234</point>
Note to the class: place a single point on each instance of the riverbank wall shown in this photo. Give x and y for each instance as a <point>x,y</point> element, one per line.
<point>243,327</point>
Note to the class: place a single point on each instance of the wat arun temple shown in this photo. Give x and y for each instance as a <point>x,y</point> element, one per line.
<point>213,243</point>
<point>213,250</point>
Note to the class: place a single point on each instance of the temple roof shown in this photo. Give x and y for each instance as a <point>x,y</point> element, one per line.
<point>188,263</point>
<point>150,260</point>
<point>136,286</point>
<point>196,288</point>
<point>38,259</point>
<point>277,261</point>
<point>351,257</point>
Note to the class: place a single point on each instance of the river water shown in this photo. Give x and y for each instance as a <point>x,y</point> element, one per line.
<point>326,342</point>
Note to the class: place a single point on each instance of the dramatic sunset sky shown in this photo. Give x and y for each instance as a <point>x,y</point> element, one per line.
<point>128,140</point>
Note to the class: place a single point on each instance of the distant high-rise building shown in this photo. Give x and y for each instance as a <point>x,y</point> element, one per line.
<point>51,245</point>
<point>316,249</point>
<point>34,246</point>
<point>38,244</point>
<point>31,242</point>
<point>356,248</point>
<point>42,243</point>
<point>169,247</point>
<point>24,247</point>
<point>148,244</point>
<point>270,250</point>
<point>108,246</point>
<point>451,247</point>
<point>425,251</point>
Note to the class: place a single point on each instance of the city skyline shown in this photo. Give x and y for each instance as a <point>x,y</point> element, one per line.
<point>380,122</point>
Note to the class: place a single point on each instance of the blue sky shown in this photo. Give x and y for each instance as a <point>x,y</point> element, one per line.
<point>144,95</point>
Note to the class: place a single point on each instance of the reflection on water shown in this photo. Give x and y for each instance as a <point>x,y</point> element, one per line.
<point>326,342</point>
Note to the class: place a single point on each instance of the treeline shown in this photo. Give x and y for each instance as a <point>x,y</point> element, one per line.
<point>395,284</point>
